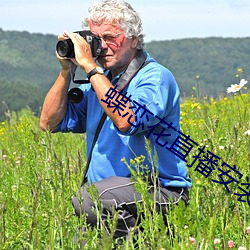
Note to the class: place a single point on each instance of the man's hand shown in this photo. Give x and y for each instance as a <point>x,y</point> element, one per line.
<point>66,63</point>
<point>83,54</point>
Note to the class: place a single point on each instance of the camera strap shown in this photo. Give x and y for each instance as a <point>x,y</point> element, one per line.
<point>97,132</point>
<point>136,64</point>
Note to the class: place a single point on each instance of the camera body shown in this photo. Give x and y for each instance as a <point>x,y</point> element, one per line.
<point>65,48</point>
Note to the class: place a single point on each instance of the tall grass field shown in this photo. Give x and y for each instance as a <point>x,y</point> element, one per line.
<point>40,172</point>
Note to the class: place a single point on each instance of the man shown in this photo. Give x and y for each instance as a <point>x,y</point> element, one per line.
<point>149,110</point>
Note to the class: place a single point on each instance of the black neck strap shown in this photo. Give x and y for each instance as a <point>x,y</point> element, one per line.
<point>134,66</point>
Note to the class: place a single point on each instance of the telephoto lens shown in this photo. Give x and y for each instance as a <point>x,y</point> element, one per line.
<point>75,95</point>
<point>65,48</point>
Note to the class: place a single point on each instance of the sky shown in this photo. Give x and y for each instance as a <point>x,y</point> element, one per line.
<point>162,19</point>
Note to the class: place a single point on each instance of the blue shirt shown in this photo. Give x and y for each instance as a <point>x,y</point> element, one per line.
<point>155,90</point>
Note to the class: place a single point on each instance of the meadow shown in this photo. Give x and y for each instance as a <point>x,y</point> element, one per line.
<point>40,172</point>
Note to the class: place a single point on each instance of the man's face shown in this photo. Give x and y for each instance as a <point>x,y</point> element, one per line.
<point>118,50</point>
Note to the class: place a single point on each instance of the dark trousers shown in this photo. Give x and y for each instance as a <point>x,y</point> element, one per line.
<point>119,194</point>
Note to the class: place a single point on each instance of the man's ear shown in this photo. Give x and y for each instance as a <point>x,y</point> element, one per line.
<point>134,42</point>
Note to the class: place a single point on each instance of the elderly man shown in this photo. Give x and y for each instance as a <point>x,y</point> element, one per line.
<point>145,108</point>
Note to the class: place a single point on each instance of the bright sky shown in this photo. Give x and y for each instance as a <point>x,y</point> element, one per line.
<point>162,19</point>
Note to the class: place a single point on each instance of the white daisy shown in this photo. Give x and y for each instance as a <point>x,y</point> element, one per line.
<point>237,87</point>
<point>246,133</point>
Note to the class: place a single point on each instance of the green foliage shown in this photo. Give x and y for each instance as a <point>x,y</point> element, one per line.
<point>211,60</point>
<point>28,68</point>
<point>28,58</point>
<point>40,172</point>
<point>14,95</point>
<point>36,184</point>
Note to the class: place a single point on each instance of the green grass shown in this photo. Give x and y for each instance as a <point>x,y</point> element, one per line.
<point>40,172</point>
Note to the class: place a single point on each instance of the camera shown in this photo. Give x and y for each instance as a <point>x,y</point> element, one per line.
<point>65,48</point>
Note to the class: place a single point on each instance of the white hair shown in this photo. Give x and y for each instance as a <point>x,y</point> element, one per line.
<point>120,13</point>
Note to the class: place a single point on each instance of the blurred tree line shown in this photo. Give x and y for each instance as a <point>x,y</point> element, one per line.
<point>210,64</point>
<point>203,67</point>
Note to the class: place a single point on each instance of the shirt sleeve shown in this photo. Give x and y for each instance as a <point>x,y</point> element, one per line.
<point>75,117</point>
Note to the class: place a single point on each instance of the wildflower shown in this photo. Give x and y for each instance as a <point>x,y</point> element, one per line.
<point>198,182</point>
<point>246,133</point>
<point>195,105</point>
<point>230,244</point>
<point>240,70</point>
<point>183,113</point>
<point>216,241</point>
<point>137,159</point>
<point>248,230</point>
<point>132,162</point>
<point>192,240</point>
<point>14,188</point>
<point>45,216</point>
<point>237,87</point>
<point>221,147</point>
<point>242,248</point>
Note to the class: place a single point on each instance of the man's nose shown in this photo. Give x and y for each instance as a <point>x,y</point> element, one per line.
<point>104,44</point>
